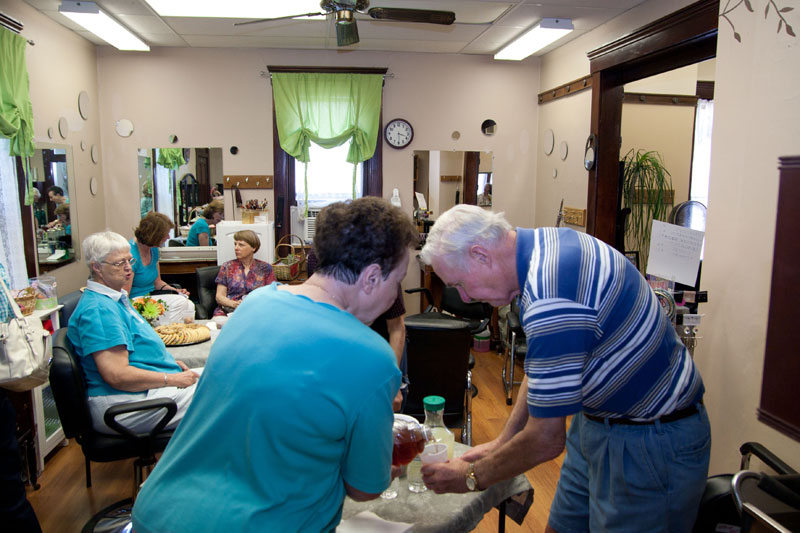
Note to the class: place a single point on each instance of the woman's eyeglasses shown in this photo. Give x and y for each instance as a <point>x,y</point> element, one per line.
<point>122,263</point>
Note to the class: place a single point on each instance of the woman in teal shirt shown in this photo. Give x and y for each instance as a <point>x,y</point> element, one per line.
<point>200,233</point>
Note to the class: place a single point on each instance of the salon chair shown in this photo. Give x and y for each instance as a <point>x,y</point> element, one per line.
<point>749,500</point>
<point>206,292</point>
<point>438,352</point>
<point>69,391</point>
<point>69,303</point>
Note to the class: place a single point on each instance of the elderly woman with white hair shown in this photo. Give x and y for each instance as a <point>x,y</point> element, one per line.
<point>123,358</point>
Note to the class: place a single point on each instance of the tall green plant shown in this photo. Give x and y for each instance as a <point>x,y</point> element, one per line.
<point>647,191</point>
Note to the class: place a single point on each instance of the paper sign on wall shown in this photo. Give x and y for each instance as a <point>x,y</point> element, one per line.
<point>423,205</point>
<point>674,252</point>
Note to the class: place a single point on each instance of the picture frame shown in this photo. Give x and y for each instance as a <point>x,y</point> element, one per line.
<point>633,257</point>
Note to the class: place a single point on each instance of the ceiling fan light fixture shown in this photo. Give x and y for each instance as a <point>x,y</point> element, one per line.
<point>344,16</point>
<point>346,34</point>
<point>546,32</point>
<point>89,16</point>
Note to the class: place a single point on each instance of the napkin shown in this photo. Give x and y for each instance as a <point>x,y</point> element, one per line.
<point>369,522</point>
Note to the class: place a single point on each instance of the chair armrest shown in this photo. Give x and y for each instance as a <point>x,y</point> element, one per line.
<point>769,458</point>
<point>428,296</point>
<point>111,414</point>
<point>481,326</point>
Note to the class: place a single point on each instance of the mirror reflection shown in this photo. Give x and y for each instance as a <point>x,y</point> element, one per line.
<point>54,213</point>
<point>179,182</point>
<point>446,178</point>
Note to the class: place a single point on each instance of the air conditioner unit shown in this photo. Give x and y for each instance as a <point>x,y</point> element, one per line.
<point>303,227</point>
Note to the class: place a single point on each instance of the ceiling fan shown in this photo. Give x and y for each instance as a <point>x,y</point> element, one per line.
<point>344,11</point>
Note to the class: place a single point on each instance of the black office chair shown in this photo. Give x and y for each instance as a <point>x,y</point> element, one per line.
<point>69,391</point>
<point>70,302</point>
<point>515,345</point>
<point>438,364</point>
<point>206,292</point>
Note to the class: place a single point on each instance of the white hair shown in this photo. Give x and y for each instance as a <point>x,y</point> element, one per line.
<point>97,246</point>
<point>461,227</point>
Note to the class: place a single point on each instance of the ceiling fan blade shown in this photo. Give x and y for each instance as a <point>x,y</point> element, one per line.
<point>412,15</point>
<point>346,34</point>
<point>259,21</point>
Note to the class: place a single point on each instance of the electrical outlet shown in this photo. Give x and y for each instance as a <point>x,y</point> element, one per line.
<point>575,216</point>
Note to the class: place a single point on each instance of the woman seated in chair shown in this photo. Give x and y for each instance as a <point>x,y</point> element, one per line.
<point>200,232</point>
<point>122,356</point>
<point>238,277</point>
<point>152,232</point>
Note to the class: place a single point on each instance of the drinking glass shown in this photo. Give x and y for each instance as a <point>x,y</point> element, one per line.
<point>409,440</point>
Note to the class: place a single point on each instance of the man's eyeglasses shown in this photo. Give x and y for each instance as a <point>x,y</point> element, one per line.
<point>122,263</point>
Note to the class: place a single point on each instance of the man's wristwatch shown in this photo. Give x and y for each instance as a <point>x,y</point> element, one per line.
<point>472,480</point>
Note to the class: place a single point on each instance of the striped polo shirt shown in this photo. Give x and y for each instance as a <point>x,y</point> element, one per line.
<point>598,340</point>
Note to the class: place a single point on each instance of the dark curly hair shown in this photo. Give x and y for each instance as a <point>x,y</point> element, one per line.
<point>152,228</point>
<point>352,235</point>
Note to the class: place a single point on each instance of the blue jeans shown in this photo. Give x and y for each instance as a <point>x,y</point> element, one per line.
<point>632,478</point>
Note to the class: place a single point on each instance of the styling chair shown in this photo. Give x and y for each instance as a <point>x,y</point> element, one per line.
<point>515,345</point>
<point>206,292</point>
<point>750,501</point>
<point>69,303</point>
<point>438,364</point>
<point>69,391</point>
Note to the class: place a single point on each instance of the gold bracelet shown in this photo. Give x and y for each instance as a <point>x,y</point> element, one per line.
<point>165,380</point>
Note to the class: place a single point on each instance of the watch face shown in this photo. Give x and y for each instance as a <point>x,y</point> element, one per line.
<point>398,133</point>
<point>471,483</point>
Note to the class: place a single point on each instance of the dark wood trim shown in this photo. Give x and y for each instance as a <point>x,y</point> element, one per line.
<point>332,70</point>
<point>705,90</point>
<point>472,161</point>
<point>660,99</point>
<point>781,374</point>
<point>568,89</point>
<point>283,180</point>
<point>372,177</point>
<point>682,38</point>
<point>28,236</point>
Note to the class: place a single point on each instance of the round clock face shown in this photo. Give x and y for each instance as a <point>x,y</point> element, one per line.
<point>398,133</point>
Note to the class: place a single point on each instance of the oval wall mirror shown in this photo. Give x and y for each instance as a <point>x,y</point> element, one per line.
<point>93,186</point>
<point>489,127</point>
<point>83,105</point>
<point>548,141</point>
<point>124,127</point>
<point>63,127</point>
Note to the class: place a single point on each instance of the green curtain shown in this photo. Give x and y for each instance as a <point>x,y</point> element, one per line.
<point>172,158</point>
<point>16,111</point>
<point>328,109</point>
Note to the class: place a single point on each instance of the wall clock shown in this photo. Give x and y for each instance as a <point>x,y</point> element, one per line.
<point>398,133</point>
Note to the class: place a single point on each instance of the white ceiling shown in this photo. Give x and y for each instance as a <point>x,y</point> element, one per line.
<point>481,27</point>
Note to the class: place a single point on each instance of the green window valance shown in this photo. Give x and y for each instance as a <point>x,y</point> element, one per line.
<point>16,110</point>
<point>327,109</point>
<point>171,158</point>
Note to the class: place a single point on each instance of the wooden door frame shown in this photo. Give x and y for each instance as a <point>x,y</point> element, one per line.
<point>682,38</point>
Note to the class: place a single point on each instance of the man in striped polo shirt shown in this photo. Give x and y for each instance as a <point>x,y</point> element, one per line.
<point>599,348</point>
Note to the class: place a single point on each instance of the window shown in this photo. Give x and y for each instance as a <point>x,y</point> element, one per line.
<point>329,177</point>
<point>701,158</point>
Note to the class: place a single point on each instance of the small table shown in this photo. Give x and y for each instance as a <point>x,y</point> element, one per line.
<point>456,513</point>
<point>194,355</point>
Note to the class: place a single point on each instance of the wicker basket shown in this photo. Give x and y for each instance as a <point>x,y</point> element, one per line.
<point>289,267</point>
<point>26,300</point>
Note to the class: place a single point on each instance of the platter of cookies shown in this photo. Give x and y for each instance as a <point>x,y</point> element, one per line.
<point>182,334</point>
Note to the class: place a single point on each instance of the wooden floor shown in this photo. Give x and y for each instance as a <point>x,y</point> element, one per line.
<point>64,504</point>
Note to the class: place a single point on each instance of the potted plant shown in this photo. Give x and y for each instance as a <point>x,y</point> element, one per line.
<point>647,192</point>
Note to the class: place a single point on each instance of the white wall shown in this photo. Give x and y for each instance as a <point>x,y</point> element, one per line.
<point>61,65</point>
<point>757,119</point>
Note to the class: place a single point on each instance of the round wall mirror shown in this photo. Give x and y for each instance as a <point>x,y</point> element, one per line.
<point>50,132</point>
<point>548,141</point>
<point>456,135</point>
<point>124,127</point>
<point>564,150</point>
<point>95,154</point>
<point>63,127</point>
<point>83,105</point>
<point>489,127</point>
<point>173,139</point>
<point>93,186</point>
<point>234,150</point>
<point>83,145</point>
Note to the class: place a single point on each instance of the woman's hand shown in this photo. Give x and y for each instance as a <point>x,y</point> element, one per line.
<point>184,379</point>
<point>182,291</point>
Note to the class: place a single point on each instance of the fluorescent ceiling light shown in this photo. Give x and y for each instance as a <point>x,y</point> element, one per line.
<point>546,32</point>
<point>239,9</point>
<point>89,16</point>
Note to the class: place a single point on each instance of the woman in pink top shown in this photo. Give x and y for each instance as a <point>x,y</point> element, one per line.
<point>240,276</point>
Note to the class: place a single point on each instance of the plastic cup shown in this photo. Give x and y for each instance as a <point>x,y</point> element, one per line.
<point>434,453</point>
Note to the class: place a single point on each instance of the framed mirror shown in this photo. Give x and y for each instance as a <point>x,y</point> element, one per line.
<point>178,182</point>
<point>447,177</point>
<point>54,210</point>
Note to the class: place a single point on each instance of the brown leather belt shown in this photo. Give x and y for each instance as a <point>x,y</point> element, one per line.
<point>671,417</point>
